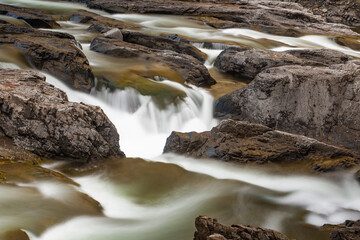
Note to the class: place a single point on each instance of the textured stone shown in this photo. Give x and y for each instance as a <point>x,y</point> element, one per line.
<point>52,52</point>
<point>210,229</point>
<point>243,142</point>
<point>189,68</point>
<point>39,118</point>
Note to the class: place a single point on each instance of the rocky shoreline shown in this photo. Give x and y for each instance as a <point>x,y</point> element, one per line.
<point>301,106</point>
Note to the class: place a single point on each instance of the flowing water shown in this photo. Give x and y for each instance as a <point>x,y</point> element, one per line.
<point>159,196</point>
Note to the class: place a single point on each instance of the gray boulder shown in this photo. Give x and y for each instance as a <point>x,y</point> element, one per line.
<point>39,118</point>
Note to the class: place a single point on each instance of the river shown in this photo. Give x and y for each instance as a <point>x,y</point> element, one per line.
<point>154,196</point>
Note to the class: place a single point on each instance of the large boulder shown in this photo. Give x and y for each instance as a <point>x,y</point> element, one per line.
<point>210,229</point>
<point>277,17</point>
<point>319,102</point>
<point>188,67</point>
<point>56,53</point>
<point>33,17</point>
<point>244,142</point>
<point>39,118</point>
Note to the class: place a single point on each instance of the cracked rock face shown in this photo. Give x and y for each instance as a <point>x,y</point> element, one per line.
<point>39,118</point>
<point>298,93</point>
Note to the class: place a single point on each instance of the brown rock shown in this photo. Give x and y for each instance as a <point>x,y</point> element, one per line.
<point>210,229</point>
<point>350,230</point>
<point>39,118</point>
<point>14,235</point>
<point>51,52</point>
<point>344,11</point>
<point>189,68</point>
<point>243,142</point>
<point>33,17</point>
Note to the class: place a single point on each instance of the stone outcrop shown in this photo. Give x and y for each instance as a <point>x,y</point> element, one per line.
<point>244,142</point>
<point>33,17</point>
<point>210,229</point>
<point>344,11</point>
<point>52,52</point>
<point>307,99</point>
<point>188,67</point>
<point>39,118</point>
<point>285,18</point>
<point>249,62</point>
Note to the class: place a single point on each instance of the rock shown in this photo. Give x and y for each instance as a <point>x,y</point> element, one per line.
<point>249,62</point>
<point>52,52</point>
<point>189,68</point>
<point>350,230</point>
<point>114,33</point>
<point>344,11</point>
<point>244,142</point>
<point>284,18</point>
<point>163,43</point>
<point>104,25</point>
<point>39,118</point>
<point>14,235</point>
<point>319,102</point>
<point>100,23</point>
<point>33,17</point>
<point>210,229</point>
<point>357,176</point>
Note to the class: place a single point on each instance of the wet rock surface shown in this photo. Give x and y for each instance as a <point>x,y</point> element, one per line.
<point>244,142</point>
<point>277,17</point>
<point>210,229</point>
<point>315,101</point>
<point>189,68</point>
<point>52,52</point>
<point>39,118</point>
<point>102,25</point>
<point>34,18</point>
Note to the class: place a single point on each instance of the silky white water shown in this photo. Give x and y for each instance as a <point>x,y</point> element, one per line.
<point>159,197</point>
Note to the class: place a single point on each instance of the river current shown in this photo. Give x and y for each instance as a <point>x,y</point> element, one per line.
<point>158,196</point>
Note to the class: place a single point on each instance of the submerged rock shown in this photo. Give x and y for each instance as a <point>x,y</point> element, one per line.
<point>244,142</point>
<point>189,68</point>
<point>52,52</point>
<point>210,229</point>
<point>276,17</point>
<point>14,235</point>
<point>33,17</point>
<point>319,102</point>
<point>39,118</point>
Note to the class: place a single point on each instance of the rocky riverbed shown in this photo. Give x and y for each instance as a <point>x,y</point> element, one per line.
<point>277,148</point>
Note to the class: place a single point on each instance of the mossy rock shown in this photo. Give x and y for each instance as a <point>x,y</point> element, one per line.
<point>142,79</point>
